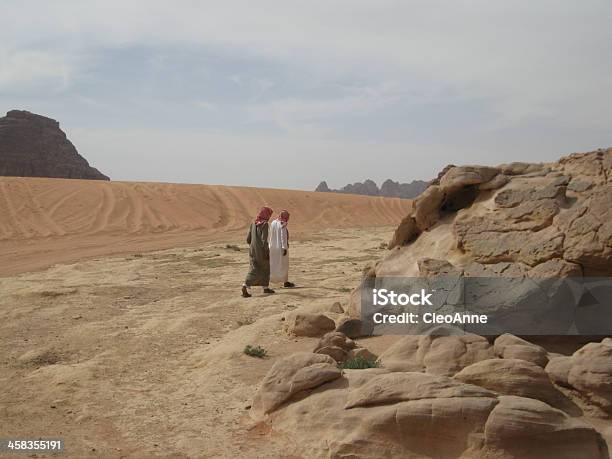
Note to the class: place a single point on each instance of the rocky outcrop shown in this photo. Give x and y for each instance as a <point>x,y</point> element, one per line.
<point>34,146</point>
<point>389,189</point>
<point>291,375</point>
<point>435,354</point>
<point>545,220</point>
<point>512,347</point>
<point>588,371</point>
<point>381,413</point>
<point>448,393</point>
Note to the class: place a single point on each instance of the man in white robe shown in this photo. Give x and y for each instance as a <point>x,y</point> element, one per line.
<point>279,250</point>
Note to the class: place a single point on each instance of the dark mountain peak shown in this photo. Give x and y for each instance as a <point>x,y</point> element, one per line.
<point>33,145</point>
<point>389,188</point>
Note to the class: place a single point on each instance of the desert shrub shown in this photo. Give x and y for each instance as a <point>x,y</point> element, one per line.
<point>358,363</point>
<point>255,351</point>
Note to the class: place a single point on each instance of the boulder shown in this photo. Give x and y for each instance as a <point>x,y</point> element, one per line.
<point>441,355</point>
<point>354,328</point>
<point>513,377</point>
<point>308,324</point>
<point>528,428</point>
<point>336,345</point>
<point>589,371</point>
<point>291,375</point>
<point>508,346</point>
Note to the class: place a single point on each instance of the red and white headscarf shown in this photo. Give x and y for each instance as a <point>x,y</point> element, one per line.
<point>264,215</point>
<point>284,217</point>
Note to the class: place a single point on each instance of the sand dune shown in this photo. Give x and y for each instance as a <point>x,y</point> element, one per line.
<point>46,221</point>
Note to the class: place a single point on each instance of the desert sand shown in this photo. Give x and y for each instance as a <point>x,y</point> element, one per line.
<point>126,350</point>
<point>48,221</point>
<point>141,355</point>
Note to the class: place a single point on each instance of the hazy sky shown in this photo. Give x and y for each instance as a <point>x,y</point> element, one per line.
<point>286,93</point>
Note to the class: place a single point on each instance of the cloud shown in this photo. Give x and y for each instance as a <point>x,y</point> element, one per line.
<point>24,70</point>
<point>463,76</point>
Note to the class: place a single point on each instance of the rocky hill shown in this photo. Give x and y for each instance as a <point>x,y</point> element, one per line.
<point>447,393</point>
<point>389,189</point>
<point>34,146</point>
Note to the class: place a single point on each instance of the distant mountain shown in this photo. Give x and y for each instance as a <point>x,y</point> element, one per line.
<point>34,146</point>
<point>389,189</point>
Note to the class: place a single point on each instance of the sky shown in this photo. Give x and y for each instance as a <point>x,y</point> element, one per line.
<point>285,94</point>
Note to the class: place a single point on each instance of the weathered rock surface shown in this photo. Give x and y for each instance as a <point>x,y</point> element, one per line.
<point>335,344</point>
<point>512,347</point>
<point>513,377</point>
<point>374,413</point>
<point>308,324</point>
<point>441,355</point>
<point>405,386</point>
<point>589,371</point>
<point>529,215</point>
<point>341,348</point>
<point>291,375</point>
<point>528,428</point>
<point>34,146</point>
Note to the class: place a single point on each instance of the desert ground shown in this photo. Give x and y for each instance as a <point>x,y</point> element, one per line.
<point>46,221</point>
<point>122,326</point>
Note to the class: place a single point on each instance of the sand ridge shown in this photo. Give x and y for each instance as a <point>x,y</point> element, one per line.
<point>47,221</point>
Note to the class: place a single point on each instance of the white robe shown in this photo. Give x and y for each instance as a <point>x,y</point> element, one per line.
<point>278,241</point>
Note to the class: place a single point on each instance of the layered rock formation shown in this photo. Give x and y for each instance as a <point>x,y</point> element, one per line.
<point>389,189</point>
<point>537,219</point>
<point>34,146</point>
<point>448,394</point>
<point>484,407</point>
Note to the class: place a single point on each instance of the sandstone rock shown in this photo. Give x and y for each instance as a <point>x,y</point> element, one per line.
<point>589,371</point>
<point>426,211</point>
<point>290,375</point>
<point>336,345</point>
<point>529,428</point>
<point>508,346</point>
<point>441,355</point>
<point>400,387</point>
<point>373,414</point>
<point>495,183</point>
<point>308,324</point>
<point>460,177</point>
<point>513,377</point>
<point>34,146</point>
<point>406,232</point>
<point>354,328</point>
<point>430,267</point>
<point>518,168</point>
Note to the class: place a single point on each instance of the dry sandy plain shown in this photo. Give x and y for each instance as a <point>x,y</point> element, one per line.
<point>121,324</point>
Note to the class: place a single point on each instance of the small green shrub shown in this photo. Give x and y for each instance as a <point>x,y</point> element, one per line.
<point>359,363</point>
<point>255,351</point>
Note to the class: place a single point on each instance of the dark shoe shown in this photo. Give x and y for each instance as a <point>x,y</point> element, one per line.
<point>288,285</point>
<point>269,290</point>
<point>245,292</point>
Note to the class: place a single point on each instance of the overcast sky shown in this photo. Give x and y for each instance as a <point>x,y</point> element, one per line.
<point>286,93</point>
